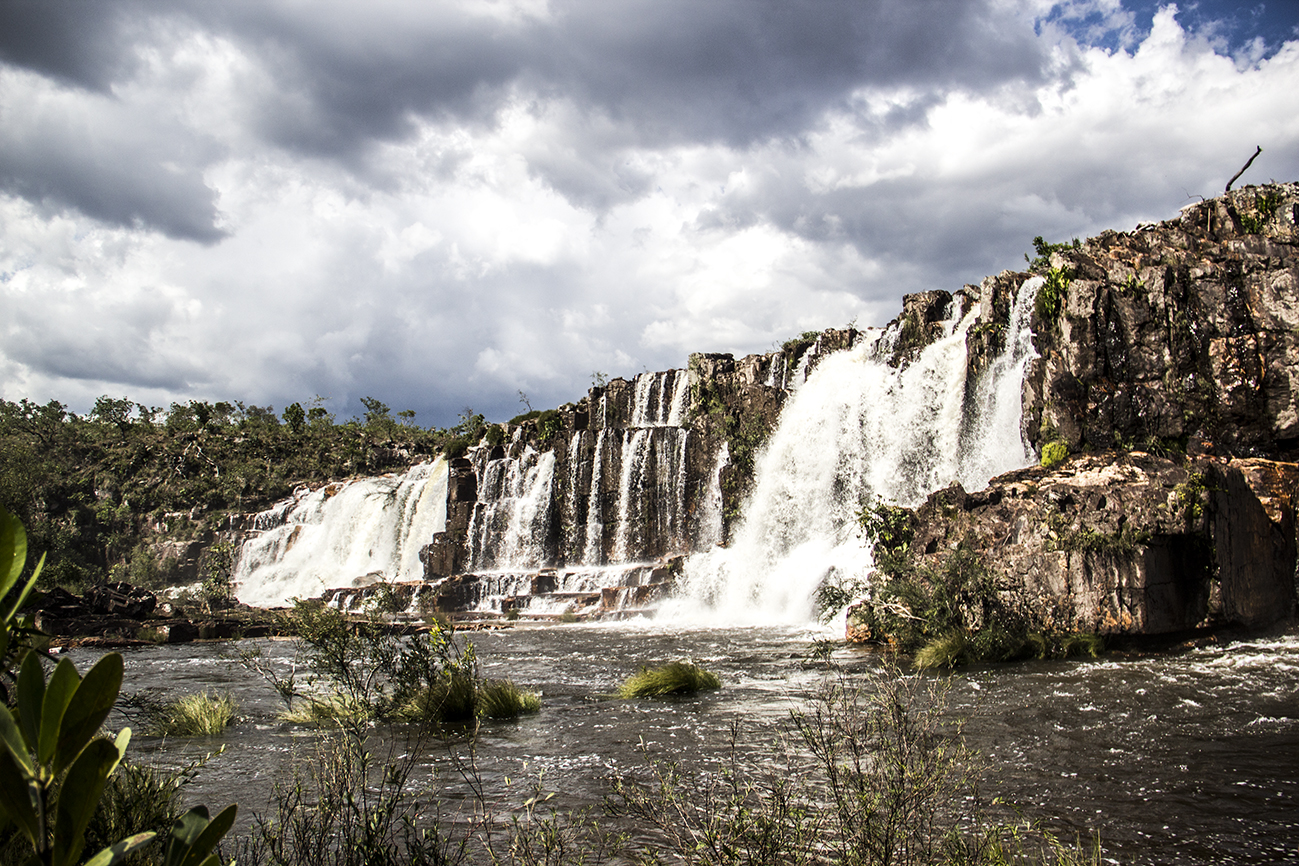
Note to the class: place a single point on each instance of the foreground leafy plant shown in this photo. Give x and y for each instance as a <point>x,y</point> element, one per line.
<point>55,733</point>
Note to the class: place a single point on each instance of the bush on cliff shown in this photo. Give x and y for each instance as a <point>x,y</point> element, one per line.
<point>947,611</point>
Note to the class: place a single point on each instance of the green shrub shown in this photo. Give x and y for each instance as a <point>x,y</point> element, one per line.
<point>1051,296</point>
<point>197,715</point>
<point>137,799</point>
<point>1264,207</point>
<point>947,651</point>
<point>502,699</point>
<point>495,435</point>
<point>868,773</point>
<point>332,710</point>
<point>446,701</point>
<point>1042,262</point>
<point>1054,453</point>
<point>676,678</point>
<point>549,424</point>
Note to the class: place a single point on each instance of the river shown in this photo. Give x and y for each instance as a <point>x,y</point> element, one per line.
<point>1183,757</point>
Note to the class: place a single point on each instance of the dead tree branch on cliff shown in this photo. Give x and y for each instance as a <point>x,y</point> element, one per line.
<point>1257,151</point>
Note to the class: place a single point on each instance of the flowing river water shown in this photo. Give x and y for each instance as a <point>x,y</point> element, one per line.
<point>1183,757</point>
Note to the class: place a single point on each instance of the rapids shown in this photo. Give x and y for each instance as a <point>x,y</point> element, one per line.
<point>1190,757</point>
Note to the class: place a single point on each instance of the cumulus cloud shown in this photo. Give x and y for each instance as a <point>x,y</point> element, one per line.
<point>440,205</point>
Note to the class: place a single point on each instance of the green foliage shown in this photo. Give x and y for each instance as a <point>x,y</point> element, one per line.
<point>890,528</point>
<point>549,424</point>
<point>361,670</point>
<point>1051,296</point>
<point>1265,205</point>
<point>1131,286</point>
<point>295,417</point>
<point>195,715</point>
<point>194,835</point>
<point>90,489</point>
<point>1189,495</point>
<point>502,699</point>
<point>137,799</point>
<point>351,810</point>
<point>675,678</point>
<point>1083,539</point>
<point>218,568</point>
<point>1054,453</point>
<point>798,342</point>
<point>1042,262</point>
<point>495,435</point>
<point>870,773</point>
<point>16,631</point>
<point>53,766</point>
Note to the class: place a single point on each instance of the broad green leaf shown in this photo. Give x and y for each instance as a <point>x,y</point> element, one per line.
<point>31,695</point>
<point>13,550</point>
<point>79,797</point>
<point>22,596</point>
<point>12,739</point>
<point>58,694</point>
<point>90,705</point>
<point>123,740</point>
<point>113,853</point>
<point>202,846</point>
<point>183,834</point>
<point>15,795</point>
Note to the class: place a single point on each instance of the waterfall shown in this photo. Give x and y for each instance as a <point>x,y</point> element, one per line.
<point>510,527</point>
<point>342,534</point>
<point>856,431</point>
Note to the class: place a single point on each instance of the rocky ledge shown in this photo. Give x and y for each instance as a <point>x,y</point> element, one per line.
<point>1122,543</point>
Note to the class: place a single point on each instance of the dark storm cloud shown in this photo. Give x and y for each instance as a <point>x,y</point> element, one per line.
<point>80,42</point>
<point>663,72</point>
<point>114,186</point>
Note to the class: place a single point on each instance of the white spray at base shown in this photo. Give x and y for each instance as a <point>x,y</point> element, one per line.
<point>342,535</point>
<point>859,431</point>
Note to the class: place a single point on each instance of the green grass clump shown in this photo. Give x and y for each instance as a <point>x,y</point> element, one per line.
<point>326,711</point>
<point>1054,453</point>
<point>947,651</point>
<point>502,699</point>
<point>450,699</point>
<point>677,678</point>
<point>197,715</point>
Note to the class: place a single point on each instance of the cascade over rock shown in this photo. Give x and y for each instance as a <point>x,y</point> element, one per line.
<point>1165,359</point>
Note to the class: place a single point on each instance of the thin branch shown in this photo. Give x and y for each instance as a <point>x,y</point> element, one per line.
<point>1242,168</point>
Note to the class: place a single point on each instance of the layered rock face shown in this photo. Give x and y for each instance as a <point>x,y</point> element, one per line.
<point>1128,542</point>
<point>1185,330</point>
<point>1179,338</point>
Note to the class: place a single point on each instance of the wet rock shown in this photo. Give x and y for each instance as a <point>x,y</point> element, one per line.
<point>1127,543</point>
<point>120,600</point>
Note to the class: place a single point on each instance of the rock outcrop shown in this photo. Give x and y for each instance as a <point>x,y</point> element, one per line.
<point>1127,542</point>
<point>1182,339</point>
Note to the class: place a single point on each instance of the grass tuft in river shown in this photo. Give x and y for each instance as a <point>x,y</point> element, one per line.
<point>676,678</point>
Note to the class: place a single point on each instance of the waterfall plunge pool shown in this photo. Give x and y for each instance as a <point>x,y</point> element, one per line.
<point>1177,758</point>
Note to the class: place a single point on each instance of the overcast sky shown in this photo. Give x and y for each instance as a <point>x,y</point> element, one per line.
<point>441,204</point>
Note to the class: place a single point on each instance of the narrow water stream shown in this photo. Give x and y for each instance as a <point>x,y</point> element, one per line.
<point>1183,758</point>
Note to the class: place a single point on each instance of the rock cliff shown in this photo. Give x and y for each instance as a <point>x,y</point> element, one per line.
<point>1168,364</point>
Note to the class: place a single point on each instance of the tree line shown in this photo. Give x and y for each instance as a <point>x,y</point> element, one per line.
<point>91,489</point>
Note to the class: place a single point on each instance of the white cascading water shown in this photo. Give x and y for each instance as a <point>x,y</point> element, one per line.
<point>857,431</point>
<point>343,535</point>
